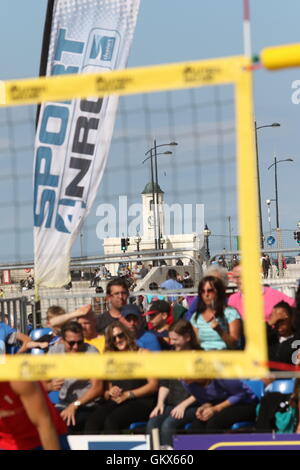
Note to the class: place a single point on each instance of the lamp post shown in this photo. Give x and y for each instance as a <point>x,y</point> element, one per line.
<point>153,153</point>
<point>279,256</point>
<point>137,241</point>
<point>276,185</point>
<point>81,244</point>
<point>207,234</point>
<point>275,124</point>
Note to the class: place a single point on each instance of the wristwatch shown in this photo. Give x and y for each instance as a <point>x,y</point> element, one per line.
<point>77,403</point>
<point>131,395</point>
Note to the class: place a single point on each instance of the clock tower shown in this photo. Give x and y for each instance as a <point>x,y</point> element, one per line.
<point>148,211</point>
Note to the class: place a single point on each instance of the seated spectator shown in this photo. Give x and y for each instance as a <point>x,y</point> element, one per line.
<point>153,286</point>
<point>141,303</point>
<point>46,341</point>
<point>144,339</point>
<point>127,401</point>
<point>77,397</point>
<point>117,294</point>
<point>281,334</point>
<point>171,283</point>
<point>87,319</point>
<point>158,316</point>
<point>9,337</point>
<point>178,309</point>
<point>271,296</point>
<point>218,326</point>
<point>175,406</point>
<point>215,271</point>
<point>222,403</point>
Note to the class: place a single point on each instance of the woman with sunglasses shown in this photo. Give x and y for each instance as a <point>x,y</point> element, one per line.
<point>175,406</point>
<point>218,326</point>
<point>127,401</point>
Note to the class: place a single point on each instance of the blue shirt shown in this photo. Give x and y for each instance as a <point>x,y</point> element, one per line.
<point>148,340</point>
<point>217,391</point>
<point>171,284</point>
<point>209,338</point>
<point>5,333</point>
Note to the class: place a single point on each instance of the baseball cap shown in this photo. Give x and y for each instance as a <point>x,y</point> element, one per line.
<point>130,309</point>
<point>159,306</point>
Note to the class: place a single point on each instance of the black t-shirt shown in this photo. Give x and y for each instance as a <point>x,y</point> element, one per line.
<point>177,392</point>
<point>103,321</point>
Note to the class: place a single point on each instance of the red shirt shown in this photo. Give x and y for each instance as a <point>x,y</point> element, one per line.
<point>17,431</point>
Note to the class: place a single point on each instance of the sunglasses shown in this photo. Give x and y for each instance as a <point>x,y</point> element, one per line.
<point>119,336</point>
<point>72,343</point>
<point>207,291</point>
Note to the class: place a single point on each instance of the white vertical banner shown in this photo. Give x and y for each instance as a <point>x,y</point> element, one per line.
<point>73,137</point>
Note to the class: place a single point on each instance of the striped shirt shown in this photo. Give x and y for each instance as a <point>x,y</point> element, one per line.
<point>209,338</point>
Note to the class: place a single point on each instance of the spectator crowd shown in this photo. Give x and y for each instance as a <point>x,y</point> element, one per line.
<point>208,320</point>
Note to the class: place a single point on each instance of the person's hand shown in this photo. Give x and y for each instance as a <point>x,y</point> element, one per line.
<point>178,411</point>
<point>68,415</point>
<point>158,410</point>
<point>55,385</point>
<point>298,429</point>
<point>83,310</point>
<point>115,392</point>
<point>201,409</point>
<point>121,398</point>
<point>214,324</point>
<point>277,315</point>
<point>208,413</point>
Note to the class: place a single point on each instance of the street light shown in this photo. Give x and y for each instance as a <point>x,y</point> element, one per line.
<point>137,241</point>
<point>207,234</point>
<point>275,124</point>
<point>279,256</point>
<point>268,202</point>
<point>276,185</point>
<point>155,192</point>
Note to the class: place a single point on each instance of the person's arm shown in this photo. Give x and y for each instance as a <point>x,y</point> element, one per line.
<point>148,389</point>
<point>61,319</point>
<point>24,340</point>
<point>96,390</point>
<point>163,392</point>
<point>37,411</point>
<point>209,411</point>
<point>231,337</point>
<point>179,410</point>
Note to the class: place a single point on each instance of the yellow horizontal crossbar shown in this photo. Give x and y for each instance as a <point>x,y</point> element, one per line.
<point>281,57</point>
<point>192,364</point>
<point>121,82</point>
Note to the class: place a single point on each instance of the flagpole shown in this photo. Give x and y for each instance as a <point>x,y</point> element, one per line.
<point>247,29</point>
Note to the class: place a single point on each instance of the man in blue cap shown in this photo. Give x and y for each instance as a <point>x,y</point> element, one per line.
<point>144,339</point>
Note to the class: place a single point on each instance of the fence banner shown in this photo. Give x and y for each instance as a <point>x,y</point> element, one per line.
<point>73,137</point>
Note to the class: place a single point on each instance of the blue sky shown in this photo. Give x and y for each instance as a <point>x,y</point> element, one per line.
<point>174,31</point>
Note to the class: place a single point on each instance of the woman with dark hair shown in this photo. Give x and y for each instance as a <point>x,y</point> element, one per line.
<point>218,326</point>
<point>127,401</point>
<point>175,407</point>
